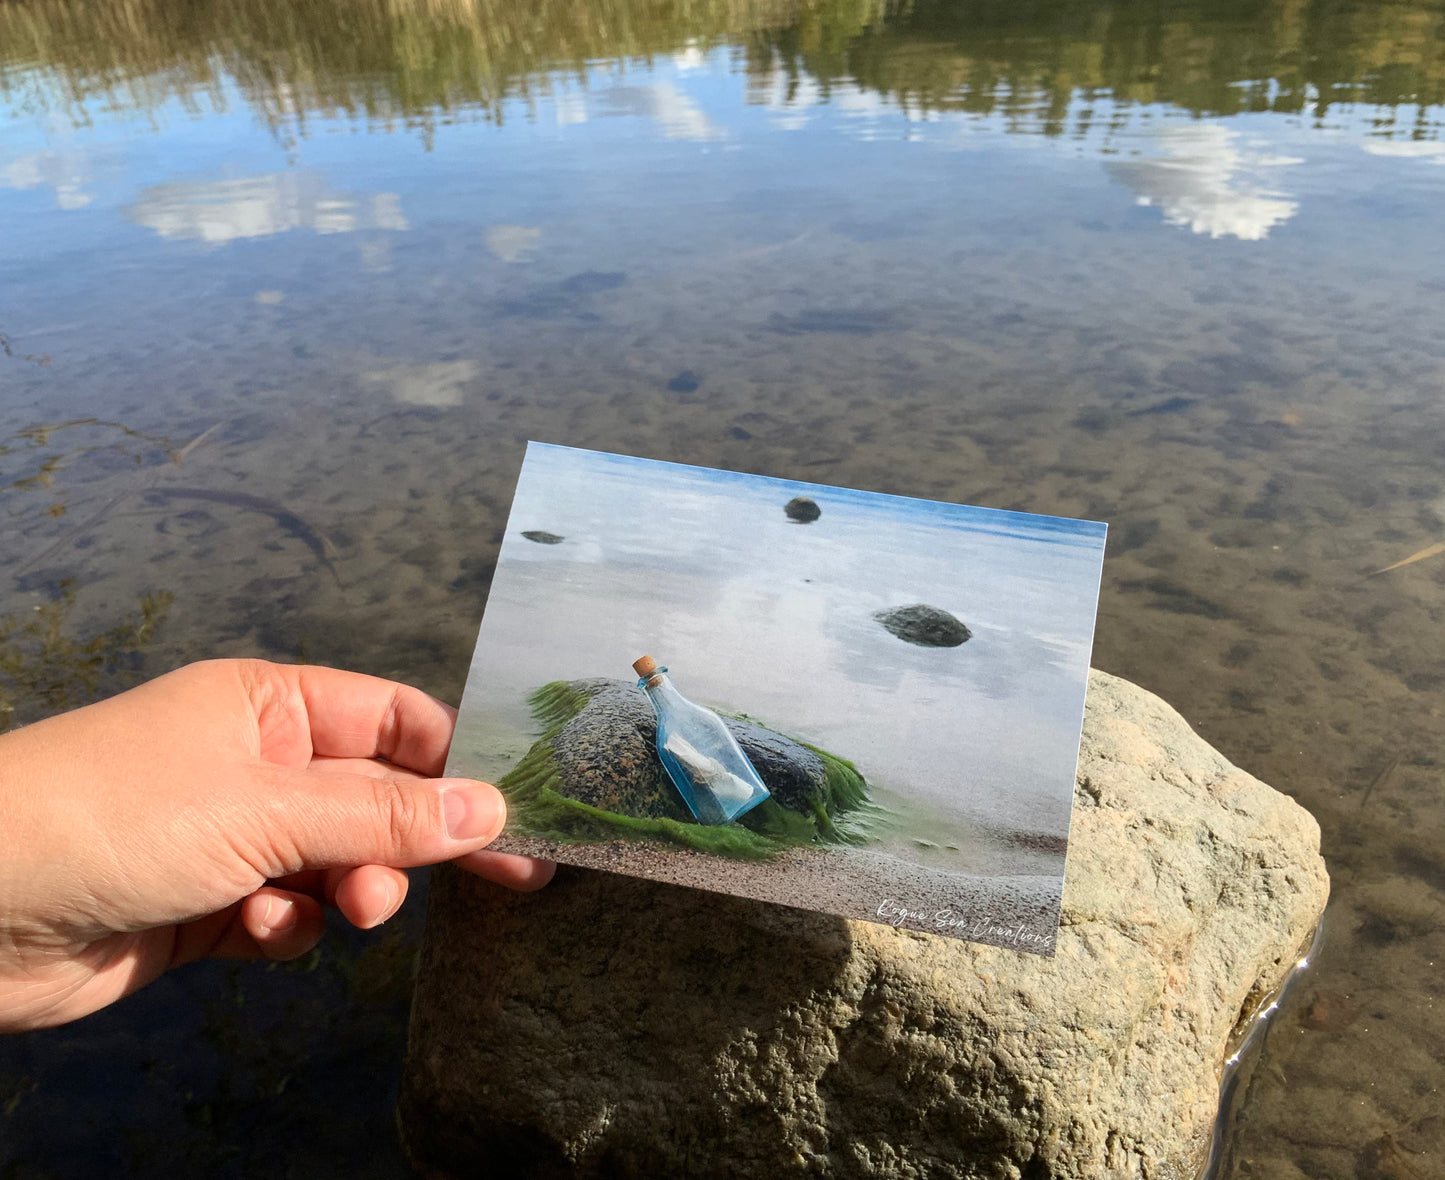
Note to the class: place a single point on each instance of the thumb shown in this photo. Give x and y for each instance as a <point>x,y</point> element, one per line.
<point>317,820</point>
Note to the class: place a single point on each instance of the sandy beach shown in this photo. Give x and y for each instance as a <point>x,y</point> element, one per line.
<point>1019,912</point>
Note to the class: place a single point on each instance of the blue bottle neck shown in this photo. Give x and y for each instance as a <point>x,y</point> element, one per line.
<point>657,686</point>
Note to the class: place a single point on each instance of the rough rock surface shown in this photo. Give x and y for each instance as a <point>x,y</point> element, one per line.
<point>926,626</point>
<point>608,757</point>
<point>609,1026</point>
<point>802,510</point>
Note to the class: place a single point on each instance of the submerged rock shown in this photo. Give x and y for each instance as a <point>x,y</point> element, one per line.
<point>607,756</point>
<point>926,626</point>
<point>685,382</point>
<point>542,537</point>
<point>610,1026</point>
<point>802,510</point>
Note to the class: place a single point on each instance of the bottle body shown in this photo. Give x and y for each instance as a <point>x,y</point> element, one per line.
<point>700,755</point>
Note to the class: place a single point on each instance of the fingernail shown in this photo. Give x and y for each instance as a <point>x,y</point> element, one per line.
<point>473,810</point>
<point>279,914</point>
<point>393,903</point>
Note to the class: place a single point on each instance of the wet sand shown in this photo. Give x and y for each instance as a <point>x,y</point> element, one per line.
<point>1020,912</point>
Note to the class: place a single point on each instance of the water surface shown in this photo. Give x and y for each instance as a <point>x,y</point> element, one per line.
<point>1175,268</point>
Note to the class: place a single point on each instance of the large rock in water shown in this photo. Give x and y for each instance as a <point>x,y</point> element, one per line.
<point>802,510</point>
<point>607,756</point>
<point>609,1026</point>
<point>925,626</point>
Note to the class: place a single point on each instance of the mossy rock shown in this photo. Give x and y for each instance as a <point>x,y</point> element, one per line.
<point>594,775</point>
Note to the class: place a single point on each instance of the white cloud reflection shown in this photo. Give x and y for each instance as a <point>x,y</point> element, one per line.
<point>676,113</point>
<point>569,108</point>
<point>512,243</point>
<point>260,206</point>
<point>790,99</point>
<point>438,385</point>
<point>692,57</point>
<point>1206,181</point>
<point>1432,151</point>
<point>1217,179</point>
<point>65,172</point>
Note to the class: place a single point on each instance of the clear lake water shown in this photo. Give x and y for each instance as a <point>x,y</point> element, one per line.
<point>285,288</point>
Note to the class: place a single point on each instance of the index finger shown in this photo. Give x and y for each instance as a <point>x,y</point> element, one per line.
<point>331,713</point>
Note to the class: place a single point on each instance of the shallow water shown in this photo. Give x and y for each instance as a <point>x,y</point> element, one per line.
<point>1177,270</point>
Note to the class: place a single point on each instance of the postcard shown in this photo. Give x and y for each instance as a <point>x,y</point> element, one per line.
<point>850,702</point>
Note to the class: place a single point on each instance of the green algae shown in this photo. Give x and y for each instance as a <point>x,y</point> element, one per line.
<point>536,805</point>
<point>45,669</point>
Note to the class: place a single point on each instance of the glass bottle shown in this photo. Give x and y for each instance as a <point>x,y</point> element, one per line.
<point>703,759</point>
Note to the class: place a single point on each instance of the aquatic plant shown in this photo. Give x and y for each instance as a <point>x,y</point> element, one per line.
<point>537,805</point>
<point>42,458</point>
<point>44,670</point>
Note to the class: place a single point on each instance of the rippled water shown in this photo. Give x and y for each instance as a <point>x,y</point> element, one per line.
<point>1177,269</point>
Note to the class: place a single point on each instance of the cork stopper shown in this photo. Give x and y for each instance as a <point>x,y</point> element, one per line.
<point>646,666</point>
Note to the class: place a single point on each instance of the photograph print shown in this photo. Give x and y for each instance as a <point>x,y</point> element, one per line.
<point>850,702</point>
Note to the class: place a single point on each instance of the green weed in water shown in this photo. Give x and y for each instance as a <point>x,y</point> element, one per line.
<point>536,805</point>
<point>44,670</point>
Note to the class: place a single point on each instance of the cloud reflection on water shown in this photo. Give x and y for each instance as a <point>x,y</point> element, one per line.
<point>1206,181</point>
<point>1430,150</point>
<point>219,211</point>
<point>665,103</point>
<point>65,172</point>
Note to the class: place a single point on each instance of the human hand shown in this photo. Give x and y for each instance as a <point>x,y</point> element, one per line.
<point>209,812</point>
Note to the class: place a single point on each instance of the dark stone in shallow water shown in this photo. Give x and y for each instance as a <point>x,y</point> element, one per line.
<point>926,626</point>
<point>802,509</point>
<point>591,282</point>
<point>685,382</point>
<point>608,757</point>
<point>543,538</point>
<point>1172,405</point>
